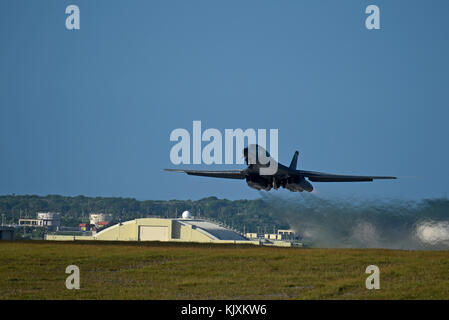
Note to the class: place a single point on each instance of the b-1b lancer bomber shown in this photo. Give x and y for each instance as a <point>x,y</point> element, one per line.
<point>287,177</point>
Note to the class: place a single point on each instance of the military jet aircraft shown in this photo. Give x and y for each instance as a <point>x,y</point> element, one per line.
<point>287,177</point>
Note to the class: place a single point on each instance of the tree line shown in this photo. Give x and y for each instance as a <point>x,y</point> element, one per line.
<point>242,215</point>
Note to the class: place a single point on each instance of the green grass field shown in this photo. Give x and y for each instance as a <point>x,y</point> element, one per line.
<point>36,270</point>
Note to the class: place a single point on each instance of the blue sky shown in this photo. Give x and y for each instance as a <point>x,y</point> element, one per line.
<point>91,111</point>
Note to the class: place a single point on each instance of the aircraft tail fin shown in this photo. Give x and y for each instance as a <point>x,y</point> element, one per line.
<point>294,160</point>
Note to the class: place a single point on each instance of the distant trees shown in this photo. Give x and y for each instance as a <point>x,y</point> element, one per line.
<point>337,217</point>
<point>241,214</point>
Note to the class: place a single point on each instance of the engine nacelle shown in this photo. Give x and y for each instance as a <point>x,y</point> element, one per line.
<point>258,183</point>
<point>299,185</point>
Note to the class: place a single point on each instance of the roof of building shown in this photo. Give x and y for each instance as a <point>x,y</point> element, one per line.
<point>217,231</point>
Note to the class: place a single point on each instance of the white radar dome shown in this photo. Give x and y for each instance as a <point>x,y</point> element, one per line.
<point>186,215</point>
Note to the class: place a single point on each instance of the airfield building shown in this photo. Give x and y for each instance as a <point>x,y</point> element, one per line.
<point>50,220</point>
<point>186,229</point>
<point>100,220</point>
<point>159,229</point>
